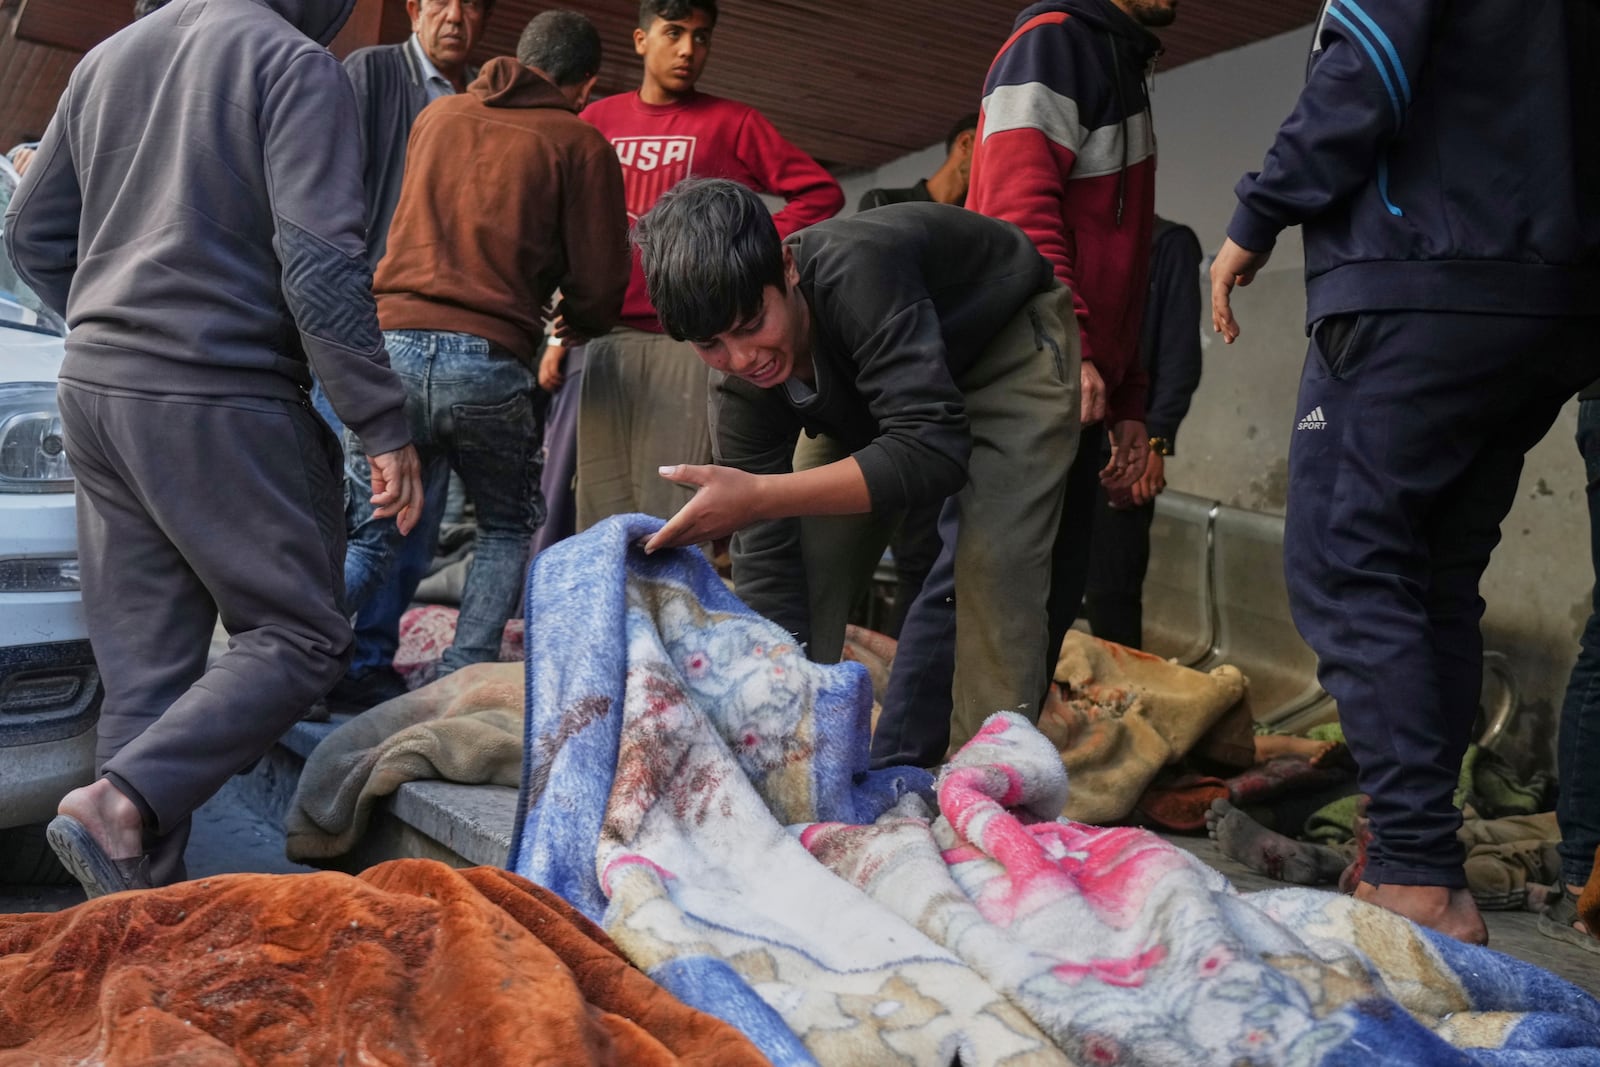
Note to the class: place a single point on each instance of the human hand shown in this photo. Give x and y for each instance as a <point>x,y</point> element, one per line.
<point>1151,482</point>
<point>397,487</point>
<point>726,500</point>
<point>1232,266</point>
<point>564,331</point>
<point>550,374</point>
<point>23,159</point>
<point>1130,449</point>
<point>1092,395</point>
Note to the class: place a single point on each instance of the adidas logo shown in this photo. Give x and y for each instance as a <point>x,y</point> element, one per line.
<point>1313,420</point>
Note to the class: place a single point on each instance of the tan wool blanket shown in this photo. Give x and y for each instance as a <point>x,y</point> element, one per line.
<point>466,727</point>
<point>1118,716</point>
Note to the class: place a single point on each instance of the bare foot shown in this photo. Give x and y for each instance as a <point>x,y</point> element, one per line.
<point>1539,897</point>
<point>1268,853</point>
<point>1449,911</point>
<point>1271,746</point>
<point>110,817</point>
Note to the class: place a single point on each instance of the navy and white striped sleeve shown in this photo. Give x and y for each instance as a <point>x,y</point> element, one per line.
<point>1364,66</point>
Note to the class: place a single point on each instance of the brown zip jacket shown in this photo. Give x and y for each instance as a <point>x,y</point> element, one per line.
<point>507,196</point>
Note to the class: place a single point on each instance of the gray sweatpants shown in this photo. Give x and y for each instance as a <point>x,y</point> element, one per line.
<point>191,506</point>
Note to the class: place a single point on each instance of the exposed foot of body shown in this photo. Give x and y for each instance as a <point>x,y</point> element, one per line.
<point>1271,746</point>
<point>1448,911</point>
<point>1274,855</point>
<point>110,817</point>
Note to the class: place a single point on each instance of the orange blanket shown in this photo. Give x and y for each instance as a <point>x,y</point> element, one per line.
<point>411,963</point>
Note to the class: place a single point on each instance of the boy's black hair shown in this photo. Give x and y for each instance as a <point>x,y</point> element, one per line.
<point>563,44</point>
<point>650,10</point>
<point>965,123</point>
<point>709,250</point>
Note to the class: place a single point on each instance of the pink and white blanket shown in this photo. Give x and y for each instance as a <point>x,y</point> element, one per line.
<point>699,788</point>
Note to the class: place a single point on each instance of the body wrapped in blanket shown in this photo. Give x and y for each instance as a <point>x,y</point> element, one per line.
<point>699,788</point>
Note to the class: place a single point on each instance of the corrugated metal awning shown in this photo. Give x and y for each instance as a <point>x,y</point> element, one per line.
<point>856,83</point>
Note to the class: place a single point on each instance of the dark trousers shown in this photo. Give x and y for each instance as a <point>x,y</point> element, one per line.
<point>916,546</point>
<point>1578,746</point>
<point>558,482</point>
<point>189,507</point>
<point>1069,573</point>
<point>914,727</point>
<point>1411,429</point>
<point>1113,601</point>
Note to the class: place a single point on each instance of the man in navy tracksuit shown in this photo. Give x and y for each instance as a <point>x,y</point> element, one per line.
<point>1443,161</point>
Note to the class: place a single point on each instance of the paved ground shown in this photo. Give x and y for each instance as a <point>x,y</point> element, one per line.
<point>230,837</point>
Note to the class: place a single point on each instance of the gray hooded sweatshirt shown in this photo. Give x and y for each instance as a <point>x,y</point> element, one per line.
<point>196,213</point>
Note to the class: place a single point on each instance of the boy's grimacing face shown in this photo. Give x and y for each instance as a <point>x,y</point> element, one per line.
<point>770,348</point>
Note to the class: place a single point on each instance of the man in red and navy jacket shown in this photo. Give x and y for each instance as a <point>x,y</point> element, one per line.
<point>1066,152</point>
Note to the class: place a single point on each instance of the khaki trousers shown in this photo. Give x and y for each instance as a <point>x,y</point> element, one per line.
<point>1021,400</point>
<point>641,405</point>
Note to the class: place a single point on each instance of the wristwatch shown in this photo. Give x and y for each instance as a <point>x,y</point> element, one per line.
<point>1161,446</point>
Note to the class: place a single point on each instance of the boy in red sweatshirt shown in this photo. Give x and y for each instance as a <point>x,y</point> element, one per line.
<point>643,395</point>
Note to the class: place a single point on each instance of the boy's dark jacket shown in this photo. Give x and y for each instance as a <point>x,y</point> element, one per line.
<point>1442,156</point>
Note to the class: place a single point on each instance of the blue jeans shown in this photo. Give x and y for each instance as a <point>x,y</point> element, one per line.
<point>377,624</point>
<point>1578,746</point>
<point>470,404</point>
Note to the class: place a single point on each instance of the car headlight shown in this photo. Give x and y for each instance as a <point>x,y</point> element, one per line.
<point>33,451</point>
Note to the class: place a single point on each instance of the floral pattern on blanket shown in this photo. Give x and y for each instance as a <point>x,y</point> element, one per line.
<point>713,810</point>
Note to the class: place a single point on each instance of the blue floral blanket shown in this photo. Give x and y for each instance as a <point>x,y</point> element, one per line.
<point>697,787</point>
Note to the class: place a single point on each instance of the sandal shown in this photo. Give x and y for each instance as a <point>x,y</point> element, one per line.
<point>1556,922</point>
<point>83,857</point>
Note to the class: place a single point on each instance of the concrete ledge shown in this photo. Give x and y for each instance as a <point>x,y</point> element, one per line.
<point>462,825</point>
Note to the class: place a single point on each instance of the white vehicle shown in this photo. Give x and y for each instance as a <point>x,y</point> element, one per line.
<point>49,687</point>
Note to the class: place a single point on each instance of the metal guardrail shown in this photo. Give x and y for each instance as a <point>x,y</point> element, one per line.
<point>1245,617</point>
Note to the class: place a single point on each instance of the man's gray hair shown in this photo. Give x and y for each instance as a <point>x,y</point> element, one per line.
<point>563,44</point>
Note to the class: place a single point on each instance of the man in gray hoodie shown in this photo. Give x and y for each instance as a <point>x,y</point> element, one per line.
<point>196,213</point>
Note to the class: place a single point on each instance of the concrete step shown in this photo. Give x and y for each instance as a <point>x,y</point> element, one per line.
<point>462,825</point>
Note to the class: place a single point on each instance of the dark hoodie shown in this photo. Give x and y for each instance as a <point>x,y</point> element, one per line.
<point>196,211</point>
<point>1066,151</point>
<point>1443,156</point>
<point>507,196</point>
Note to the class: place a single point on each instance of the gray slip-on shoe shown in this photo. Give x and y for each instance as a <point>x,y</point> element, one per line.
<point>1557,920</point>
<point>82,855</point>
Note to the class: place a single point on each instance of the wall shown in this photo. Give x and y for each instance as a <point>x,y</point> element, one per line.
<point>1215,118</point>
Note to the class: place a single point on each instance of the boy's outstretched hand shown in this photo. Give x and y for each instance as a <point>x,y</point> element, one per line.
<point>726,500</point>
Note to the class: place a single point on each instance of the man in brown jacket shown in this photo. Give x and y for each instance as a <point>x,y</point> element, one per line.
<point>507,196</point>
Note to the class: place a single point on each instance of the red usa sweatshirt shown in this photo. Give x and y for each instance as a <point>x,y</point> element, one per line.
<point>707,137</point>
